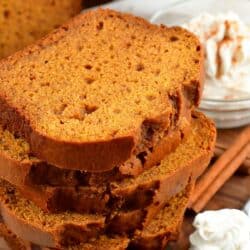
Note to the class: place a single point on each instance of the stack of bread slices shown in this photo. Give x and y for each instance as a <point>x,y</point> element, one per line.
<point>100,142</point>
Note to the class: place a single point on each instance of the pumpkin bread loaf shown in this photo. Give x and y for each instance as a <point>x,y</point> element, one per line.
<point>136,205</point>
<point>116,85</point>
<point>28,222</point>
<point>23,22</point>
<point>155,185</point>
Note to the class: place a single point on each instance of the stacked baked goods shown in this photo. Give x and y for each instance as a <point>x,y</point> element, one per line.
<point>100,141</point>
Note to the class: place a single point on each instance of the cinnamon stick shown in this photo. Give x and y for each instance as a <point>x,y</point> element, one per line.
<point>200,203</point>
<point>222,162</point>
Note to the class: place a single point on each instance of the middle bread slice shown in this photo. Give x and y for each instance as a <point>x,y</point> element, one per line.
<point>135,199</point>
<point>61,230</point>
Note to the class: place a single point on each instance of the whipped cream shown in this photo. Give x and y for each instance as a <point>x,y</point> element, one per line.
<point>226,229</point>
<point>226,41</point>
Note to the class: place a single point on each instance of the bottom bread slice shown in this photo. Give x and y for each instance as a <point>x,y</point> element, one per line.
<point>163,228</point>
<point>155,236</point>
<point>9,241</point>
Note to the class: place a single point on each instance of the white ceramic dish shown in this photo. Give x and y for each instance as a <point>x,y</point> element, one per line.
<point>226,113</point>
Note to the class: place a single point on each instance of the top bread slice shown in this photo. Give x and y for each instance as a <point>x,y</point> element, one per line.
<point>23,22</point>
<point>99,89</point>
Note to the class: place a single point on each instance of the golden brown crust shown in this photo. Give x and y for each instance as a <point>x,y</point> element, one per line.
<point>94,154</point>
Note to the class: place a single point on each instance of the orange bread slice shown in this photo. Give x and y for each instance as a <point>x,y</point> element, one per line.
<point>59,230</point>
<point>9,241</point>
<point>164,228</point>
<point>154,186</point>
<point>23,22</point>
<point>20,167</point>
<point>100,89</point>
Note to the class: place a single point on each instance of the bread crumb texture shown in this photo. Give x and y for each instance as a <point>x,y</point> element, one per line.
<point>23,22</point>
<point>100,76</point>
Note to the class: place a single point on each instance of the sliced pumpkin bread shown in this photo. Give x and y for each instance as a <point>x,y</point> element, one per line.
<point>153,186</point>
<point>23,22</point>
<point>20,167</point>
<point>104,82</point>
<point>136,207</point>
<point>28,222</point>
<point>9,241</point>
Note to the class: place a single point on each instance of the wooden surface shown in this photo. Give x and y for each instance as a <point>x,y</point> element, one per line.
<point>234,193</point>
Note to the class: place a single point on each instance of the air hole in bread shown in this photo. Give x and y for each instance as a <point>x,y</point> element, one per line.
<point>117,111</point>
<point>140,67</point>
<point>32,77</point>
<point>151,97</point>
<point>157,203</point>
<point>83,97</point>
<point>45,84</point>
<point>6,14</point>
<point>89,80</point>
<point>46,61</point>
<point>80,48</point>
<point>128,45</point>
<point>157,72</point>
<point>100,26</point>
<point>65,28</point>
<point>60,109</point>
<point>194,116</point>
<point>88,66</point>
<point>148,130</point>
<point>142,157</point>
<point>90,108</point>
<point>182,135</point>
<point>196,61</point>
<point>174,38</point>
<point>167,205</point>
<point>198,48</point>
